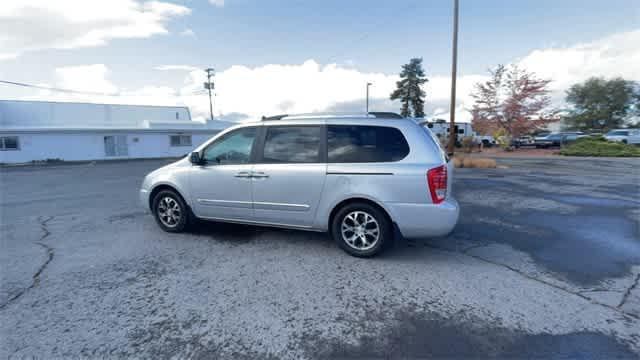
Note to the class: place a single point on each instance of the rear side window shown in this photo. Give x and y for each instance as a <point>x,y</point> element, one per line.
<point>292,144</point>
<point>359,144</point>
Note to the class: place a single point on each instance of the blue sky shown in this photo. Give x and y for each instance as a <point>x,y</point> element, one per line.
<point>365,36</point>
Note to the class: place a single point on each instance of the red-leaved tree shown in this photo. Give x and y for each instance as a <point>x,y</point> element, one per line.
<point>512,99</point>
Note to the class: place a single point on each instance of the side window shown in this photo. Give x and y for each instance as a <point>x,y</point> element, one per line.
<point>232,148</point>
<point>292,144</point>
<point>358,144</point>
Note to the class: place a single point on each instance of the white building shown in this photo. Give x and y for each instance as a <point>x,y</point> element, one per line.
<point>39,130</point>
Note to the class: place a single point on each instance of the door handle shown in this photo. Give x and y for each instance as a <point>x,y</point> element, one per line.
<point>243,174</point>
<point>259,174</point>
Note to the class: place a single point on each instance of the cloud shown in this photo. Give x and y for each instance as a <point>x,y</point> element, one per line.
<point>176,67</point>
<point>310,86</point>
<point>89,78</point>
<point>217,3</point>
<point>188,32</point>
<point>611,56</point>
<point>32,25</point>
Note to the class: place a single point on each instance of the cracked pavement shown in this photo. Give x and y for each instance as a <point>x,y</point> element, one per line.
<point>544,263</point>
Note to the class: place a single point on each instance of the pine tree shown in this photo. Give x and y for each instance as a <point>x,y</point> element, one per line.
<point>408,89</point>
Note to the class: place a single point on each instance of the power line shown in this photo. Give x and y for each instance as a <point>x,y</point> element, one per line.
<point>50,88</point>
<point>80,92</point>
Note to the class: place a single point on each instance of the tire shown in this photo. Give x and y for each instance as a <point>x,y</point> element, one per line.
<point>624,141</point>
<point>177,213</point>
<point>353,216</point>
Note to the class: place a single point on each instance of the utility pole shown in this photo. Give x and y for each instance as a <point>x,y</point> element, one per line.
<point>454,69</point>
<point>368,84</point>
<point>209,86</point>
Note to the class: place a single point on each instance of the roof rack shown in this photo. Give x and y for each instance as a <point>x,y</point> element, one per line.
<point>385,114</point>
<point>274,117</point>
<point>319,115</point>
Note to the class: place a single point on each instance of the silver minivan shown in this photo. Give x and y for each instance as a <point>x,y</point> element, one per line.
<point>358,177</point>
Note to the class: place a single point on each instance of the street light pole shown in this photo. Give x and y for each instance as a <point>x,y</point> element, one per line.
<point>454,69</point>
<point>368,84</point>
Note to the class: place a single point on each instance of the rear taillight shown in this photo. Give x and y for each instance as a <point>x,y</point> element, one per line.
<point>437,179</point>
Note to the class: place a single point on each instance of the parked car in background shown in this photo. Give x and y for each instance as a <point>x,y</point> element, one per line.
<point>524,140</point>
<point>486,140</point>
<point>557,139</point>
<point>355,177</point>
<point>627,136</point>
<point>540,136</point>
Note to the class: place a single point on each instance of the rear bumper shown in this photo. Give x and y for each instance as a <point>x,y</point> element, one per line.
<point>425,220</point>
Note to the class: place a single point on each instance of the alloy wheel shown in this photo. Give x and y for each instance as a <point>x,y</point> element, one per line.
<point>169,212</point>
<point>360,230</point>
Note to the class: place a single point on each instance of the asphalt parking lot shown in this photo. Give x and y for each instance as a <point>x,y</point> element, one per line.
<point>545,262</point>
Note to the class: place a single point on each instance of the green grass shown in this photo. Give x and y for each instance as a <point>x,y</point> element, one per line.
<point>600,147</point>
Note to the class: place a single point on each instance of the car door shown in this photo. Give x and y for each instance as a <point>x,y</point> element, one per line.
<point>221,185</point>
<point>289,174</point>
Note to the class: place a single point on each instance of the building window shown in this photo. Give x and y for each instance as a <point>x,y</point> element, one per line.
<point>180,140</point>
<point>9,143</point>
<point>116,145</point>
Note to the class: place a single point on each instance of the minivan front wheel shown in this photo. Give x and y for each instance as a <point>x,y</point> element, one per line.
<point>361,230</point>
<point>170,211</point>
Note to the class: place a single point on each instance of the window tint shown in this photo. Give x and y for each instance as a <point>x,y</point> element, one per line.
<point>232,148</point>
<point>292,144</point>
<point>356,144</point>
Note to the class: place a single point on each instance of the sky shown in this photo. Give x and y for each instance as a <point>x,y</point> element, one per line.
<point>295,56</point>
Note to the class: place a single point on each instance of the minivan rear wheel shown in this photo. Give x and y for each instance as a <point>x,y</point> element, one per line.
<point>361,229</point>
<point>170,211</point>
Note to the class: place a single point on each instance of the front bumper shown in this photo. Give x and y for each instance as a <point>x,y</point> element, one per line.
<point>425,220</point>
<point>144,198</point>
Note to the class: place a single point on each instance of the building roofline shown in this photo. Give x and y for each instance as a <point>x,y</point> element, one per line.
<point>103,130</point>
<point>90,103</point>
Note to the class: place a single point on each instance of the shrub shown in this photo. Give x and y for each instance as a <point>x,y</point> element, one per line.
<point>503,139</point>
<point>470,162</point>
<point>599,147</point>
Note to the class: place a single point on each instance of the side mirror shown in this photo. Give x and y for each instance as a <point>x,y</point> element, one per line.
<point>195,158</point>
